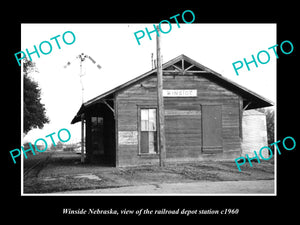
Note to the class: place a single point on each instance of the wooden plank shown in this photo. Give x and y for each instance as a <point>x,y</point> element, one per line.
<point>212,149</point>
<point>183,123</point>
<point>188,68</point>
<point>109,106</point>
<point>194,71</point>
<point>127,137</point>
<point>170,71</point>
<point>212,127</point>
<point>183,132</point>
<point>177,68</point>
<point>182,112</point>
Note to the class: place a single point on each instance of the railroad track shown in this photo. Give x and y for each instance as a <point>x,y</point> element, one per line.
<point>33,166</point>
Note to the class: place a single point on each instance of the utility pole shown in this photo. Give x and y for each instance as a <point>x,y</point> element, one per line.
<point>160,102</point>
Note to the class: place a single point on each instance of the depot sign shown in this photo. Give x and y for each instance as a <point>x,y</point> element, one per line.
<point>180,93</point>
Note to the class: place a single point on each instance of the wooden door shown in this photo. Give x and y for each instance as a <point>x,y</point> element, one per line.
<point>212,128</point>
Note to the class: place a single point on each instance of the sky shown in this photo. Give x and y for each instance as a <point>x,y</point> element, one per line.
<point>115,49</point>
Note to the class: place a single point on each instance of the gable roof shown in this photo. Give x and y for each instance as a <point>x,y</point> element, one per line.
<point>184,64</point>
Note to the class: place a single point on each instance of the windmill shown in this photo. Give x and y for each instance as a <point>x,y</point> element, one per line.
<point>82,58</point>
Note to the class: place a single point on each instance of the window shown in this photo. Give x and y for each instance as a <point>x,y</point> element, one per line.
<point>97,135</point>
<point>148,131</point>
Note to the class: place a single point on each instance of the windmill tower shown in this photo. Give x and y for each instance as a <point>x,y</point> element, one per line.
<point>82,57</point>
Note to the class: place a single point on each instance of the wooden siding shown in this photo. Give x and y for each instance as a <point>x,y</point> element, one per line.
<point>183,121</point>
<point>212,128</point>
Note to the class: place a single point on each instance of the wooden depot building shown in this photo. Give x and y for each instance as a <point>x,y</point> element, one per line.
<point>203,117</point>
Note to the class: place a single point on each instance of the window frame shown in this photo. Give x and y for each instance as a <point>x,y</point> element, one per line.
<point>139,108</point>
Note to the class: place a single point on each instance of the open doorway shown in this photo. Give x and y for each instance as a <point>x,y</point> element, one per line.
<point>100,136</point>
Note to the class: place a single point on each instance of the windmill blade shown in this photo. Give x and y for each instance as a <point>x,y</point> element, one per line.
<point>92,59</point>
<point>99,67</point>
<point>82,57</point>
<point>69,63</point>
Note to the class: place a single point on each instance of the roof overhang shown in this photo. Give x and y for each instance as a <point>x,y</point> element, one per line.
<point>77,117</point>
<point>250,99</point>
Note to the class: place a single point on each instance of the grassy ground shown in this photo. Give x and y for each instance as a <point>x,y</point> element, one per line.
<point>63,171</point>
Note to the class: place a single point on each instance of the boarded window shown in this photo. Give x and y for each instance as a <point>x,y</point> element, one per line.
<point>212,128</point>
<point>148,131</point>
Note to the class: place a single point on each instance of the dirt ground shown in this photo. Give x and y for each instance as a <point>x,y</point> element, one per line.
<point>62,171</point>
<point>242,187</point>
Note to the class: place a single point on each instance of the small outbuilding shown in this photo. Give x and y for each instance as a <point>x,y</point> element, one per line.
<point>203,117</point>
<point>254,133</point>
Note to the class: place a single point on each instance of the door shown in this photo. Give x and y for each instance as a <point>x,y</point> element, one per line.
<point>212,128</point>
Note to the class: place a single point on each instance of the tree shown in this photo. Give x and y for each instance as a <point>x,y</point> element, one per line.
<point>34,110</point>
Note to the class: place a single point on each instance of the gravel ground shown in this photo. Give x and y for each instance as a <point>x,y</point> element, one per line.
<point>62,171</point>
<point>202,188</point>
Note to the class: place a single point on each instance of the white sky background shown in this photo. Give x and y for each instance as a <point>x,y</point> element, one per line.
<point>115,48</point>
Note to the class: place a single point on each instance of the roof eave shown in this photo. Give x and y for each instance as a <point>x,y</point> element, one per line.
<point>248,95</point>
<point>77,117</point>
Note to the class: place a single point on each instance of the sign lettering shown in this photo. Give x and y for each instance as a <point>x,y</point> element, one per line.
<point>180,93</point>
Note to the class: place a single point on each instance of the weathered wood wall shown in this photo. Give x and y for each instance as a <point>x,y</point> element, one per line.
<point>183,119</point>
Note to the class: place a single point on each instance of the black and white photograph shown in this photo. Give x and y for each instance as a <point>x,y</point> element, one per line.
<point>193,131</point>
